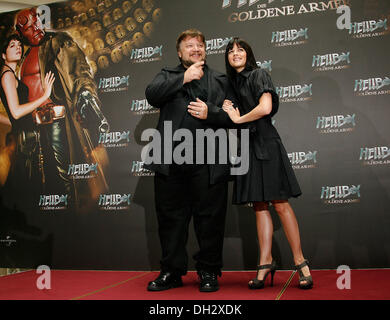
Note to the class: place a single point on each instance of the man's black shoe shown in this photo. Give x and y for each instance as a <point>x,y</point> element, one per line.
<point>208,281</point>
<point>165,281</point>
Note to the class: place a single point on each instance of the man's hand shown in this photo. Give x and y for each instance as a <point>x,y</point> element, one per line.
<point>198,109</point>
<point>195,72</point>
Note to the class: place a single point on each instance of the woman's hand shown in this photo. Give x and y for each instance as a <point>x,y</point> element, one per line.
<point>226,104</point>
<point>48,84</point>
<point>232,112</point>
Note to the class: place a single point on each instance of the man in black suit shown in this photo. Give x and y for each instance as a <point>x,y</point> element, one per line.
<point>190,98</point>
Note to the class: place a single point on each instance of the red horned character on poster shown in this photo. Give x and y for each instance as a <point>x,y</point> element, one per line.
<point>70,120</point>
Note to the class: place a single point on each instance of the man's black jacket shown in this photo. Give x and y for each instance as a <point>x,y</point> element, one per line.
<point>168,93</point>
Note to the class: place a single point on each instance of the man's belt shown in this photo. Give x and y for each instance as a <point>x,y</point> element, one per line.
<point>48,113</point>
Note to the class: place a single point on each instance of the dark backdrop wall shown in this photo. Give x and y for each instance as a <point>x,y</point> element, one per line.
<point>334,88</point>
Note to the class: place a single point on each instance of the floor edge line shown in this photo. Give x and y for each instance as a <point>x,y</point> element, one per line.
<point>109,287</point>
<point>285,286</point>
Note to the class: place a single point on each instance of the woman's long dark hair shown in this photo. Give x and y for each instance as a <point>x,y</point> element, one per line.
<point>250,58</point>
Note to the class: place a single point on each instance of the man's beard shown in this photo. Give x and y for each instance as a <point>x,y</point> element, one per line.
<point>188,63</point>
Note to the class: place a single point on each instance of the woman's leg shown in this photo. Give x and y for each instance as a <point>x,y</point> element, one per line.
<point>264,235</point>
<point>291,229</point>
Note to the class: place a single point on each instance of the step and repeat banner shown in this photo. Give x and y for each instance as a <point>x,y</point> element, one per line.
<point>74,192</point>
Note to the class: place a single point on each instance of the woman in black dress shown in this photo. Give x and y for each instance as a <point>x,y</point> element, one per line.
<point>24,134</point>
<point>270,177</point>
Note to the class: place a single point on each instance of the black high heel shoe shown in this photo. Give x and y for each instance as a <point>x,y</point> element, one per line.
<point>302,278</point>
<point>259,284</point>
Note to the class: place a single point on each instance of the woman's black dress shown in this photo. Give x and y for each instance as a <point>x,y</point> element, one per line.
<point>270,175</point>
<point>22,182</point>
<point>25,122</point>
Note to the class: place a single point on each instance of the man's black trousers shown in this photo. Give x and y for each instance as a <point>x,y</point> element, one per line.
<point>187,193</point>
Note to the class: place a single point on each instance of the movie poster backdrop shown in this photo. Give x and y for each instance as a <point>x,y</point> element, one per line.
<point>74,192</point>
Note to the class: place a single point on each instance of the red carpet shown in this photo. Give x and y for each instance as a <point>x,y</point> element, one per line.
<point>373,284</point>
